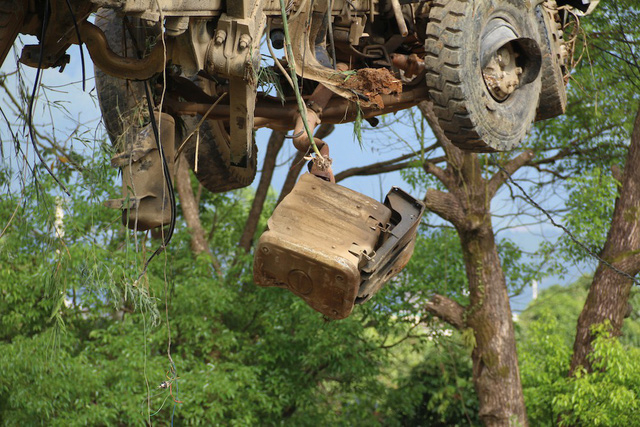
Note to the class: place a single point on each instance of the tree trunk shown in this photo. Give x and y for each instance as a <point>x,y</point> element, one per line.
<point>292,176</point>
<point>609,292</point>
<point>273,148</point>
<point>496,375</point>
<point>466,204</point>
<point>190,208</point>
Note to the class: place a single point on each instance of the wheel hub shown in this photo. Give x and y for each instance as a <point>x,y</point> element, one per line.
<point>501,74</point>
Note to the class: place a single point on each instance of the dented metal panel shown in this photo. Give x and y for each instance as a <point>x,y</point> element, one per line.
<point>316,242</point>
<point>396,246</point>
<point>145,197</point>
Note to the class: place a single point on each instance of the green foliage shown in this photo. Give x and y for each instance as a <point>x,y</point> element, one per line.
<point>544,356</point>
<point>564,303</point>
<point>603,92</point>
<point>85,340</point>
<point>436,392</point>
<point>610,395</point>
<point>560,305</point>
<point>591,201</point>
<point>519,272</point>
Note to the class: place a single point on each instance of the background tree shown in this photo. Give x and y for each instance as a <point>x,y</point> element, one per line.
<point>197,338</point>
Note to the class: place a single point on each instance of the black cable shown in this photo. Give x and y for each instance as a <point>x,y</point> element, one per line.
<point>330,27</point>
<point>32,135</point>
<point>75,25</point>
<point>533,203</point>
<point>167,177</point>
<point>165,166</point>
<point>295,135</point>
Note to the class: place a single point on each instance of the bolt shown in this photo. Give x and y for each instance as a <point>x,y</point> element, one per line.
<point>265,250</point>
<point>245,39</point>
<point>339,278</point>
<point>221,36</point>
<point>518,70</point>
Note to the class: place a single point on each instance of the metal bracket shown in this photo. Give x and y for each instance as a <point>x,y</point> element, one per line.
<point>234,53</point>
<point>397,243</point>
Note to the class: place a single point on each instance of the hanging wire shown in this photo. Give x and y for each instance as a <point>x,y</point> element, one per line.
<point>330,29</point>
<point>165,166</point>
<point>75,25</point>
<point>36,85</point>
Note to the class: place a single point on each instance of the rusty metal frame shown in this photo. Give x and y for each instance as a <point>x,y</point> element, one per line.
<point>270,112</point>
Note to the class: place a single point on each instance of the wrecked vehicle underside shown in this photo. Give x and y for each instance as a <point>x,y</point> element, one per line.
<point>490,67</point>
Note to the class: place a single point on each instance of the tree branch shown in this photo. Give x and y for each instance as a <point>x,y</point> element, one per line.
<point>443,175</point>
<point>273,148</point>
<point>453,153</point>
<point>190,212</point>
<point>292,176</point>
<point>445,205</point>
<point>500,177</point>
<point>377,168</point>
<point>447,310</point>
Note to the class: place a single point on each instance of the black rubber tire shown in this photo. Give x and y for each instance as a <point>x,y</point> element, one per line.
<point>470,117</point>
<point>215,171</point>
<point>122,102</point>
<point>553,95</point>
<point>123,106</point>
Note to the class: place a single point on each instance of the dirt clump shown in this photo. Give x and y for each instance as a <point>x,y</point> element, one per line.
<point>373,82</point>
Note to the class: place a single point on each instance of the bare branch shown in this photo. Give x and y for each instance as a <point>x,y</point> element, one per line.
<point>453,153</point>
<point>273,148</point>
<point>500,177</point>
<point>447,310</point>
<point>324,130</point>
<point>189,207</point>
<point>296,167</point>
<point>377,168</point>
<point>445,206</point>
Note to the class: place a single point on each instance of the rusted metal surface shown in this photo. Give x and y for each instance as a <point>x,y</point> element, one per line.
<point>396,248</point>
<point>334,247</point>
<point>318,238</point>
<point>234,53</point>
<point>412,65</point>
<point>271,113</point>
<point>501,74</point>
<point>145,197</point>
<point>315,104</point>
<point>153,9</point>
<point>322,170</point>
<point>118,66</point>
